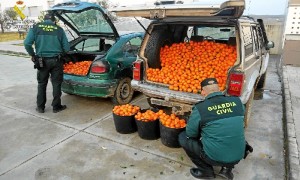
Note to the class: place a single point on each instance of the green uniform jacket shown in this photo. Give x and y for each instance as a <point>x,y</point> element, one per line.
<point>49,39</point>
<point>219,123</point>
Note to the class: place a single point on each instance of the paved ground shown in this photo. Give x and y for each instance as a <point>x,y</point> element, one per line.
<point>291,82</point>
<point>81,142</point>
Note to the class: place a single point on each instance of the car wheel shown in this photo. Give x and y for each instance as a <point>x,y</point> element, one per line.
<point>248,109</point>
<point>261,82</point>
<point>124,92</point>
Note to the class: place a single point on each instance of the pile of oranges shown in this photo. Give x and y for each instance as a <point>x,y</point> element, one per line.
<point>171,121</point>
<point>185,65</point>
<point>78,68</point>
<point>126,110</point>
<point>146,116</point>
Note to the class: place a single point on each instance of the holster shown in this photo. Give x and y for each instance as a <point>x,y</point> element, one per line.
<point>38,63</point>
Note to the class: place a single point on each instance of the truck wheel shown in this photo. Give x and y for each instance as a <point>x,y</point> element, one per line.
<point>248,109</point>
<point>158,39</point>
<point>262,80</point>
<point>124,92</point>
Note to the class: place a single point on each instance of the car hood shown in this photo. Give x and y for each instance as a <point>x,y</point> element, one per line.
<point>231,9</point>
<point>86,19</point>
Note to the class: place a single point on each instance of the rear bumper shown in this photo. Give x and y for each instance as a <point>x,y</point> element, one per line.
<point>162,92</point>
<point>96,88</point>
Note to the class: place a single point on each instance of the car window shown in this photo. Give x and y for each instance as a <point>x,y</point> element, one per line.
<point>260,37</point>
<point>221,33</point>
<point>88,21</point>
<point>248,40</point>
<point>88,45</point>
<point>256,43</point>
<point>132,47</point>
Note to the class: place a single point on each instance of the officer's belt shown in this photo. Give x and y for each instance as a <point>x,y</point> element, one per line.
<point>54,57</point>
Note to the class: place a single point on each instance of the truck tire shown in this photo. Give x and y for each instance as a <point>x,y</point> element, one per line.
<point>261,81</point>
<point>158,39</point>
<point>124,92</point>
<point>248,109</point>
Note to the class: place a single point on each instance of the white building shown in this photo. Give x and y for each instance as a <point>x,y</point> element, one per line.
<point>32,9</point>
<point>291,36</point>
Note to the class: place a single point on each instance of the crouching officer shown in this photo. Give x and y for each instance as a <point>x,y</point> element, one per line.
<point>50,41</point>
<point>214,133</point>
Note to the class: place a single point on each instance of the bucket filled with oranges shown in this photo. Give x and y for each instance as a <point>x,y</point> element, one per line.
<point>147,124</point>
<point>170,128</point>
<point>123,116</point>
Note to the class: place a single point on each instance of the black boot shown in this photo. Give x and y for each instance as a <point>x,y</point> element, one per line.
<point>226,173</point>
<point>197,173</point>
<point>59,108</point>
<point>40,110</point>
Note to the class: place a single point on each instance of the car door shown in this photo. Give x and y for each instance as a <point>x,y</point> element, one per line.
<point>123,55</point>
<point>264,52</point>
<point>130,50</point>
<point>251,58</point>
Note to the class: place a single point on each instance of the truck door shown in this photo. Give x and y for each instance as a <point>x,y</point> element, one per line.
<point>264,52</point>
<point>257,46</point>
<point>252,59</point>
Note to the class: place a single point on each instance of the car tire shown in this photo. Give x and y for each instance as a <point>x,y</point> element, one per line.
<point>248,109</point>
<point>158,39</point>
<point>124,92</point>
<point>261,81</point>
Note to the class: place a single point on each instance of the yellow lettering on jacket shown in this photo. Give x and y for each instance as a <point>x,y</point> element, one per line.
<point>48,28</point>
<point>224,111</point>
<point>222,108</point>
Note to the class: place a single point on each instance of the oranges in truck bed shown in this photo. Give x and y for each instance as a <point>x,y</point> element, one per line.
<point>185,65</point>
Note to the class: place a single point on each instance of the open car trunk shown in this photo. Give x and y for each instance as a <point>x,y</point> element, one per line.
<point>185,44</point>
<point>187,49</point>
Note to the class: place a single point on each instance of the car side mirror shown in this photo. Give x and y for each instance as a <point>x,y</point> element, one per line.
<point>270,45</point>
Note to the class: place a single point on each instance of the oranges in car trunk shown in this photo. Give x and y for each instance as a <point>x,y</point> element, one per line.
<point>185,65</point>
<point>77,68</point>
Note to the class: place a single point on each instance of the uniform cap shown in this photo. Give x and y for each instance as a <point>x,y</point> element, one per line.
<point>49,16</point>
<point>208,81</point>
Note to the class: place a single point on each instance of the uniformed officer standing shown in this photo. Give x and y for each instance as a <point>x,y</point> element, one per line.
<point>50,42</point>
<point>214,133</point>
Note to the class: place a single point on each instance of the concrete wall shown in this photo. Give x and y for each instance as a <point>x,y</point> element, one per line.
<point>291,52</point>
<point>294,1</point>
<point>274,32</point>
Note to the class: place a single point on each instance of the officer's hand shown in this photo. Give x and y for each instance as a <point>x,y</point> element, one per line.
<point>33,58</point>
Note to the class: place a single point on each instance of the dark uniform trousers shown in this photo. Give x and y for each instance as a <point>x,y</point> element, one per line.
<point>54,69</point>
<point>194,149</point>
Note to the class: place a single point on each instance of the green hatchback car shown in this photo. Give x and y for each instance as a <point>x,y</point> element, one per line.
<point>95,39</point>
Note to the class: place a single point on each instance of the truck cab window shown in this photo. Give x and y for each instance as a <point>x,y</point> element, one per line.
<point>248,40</point>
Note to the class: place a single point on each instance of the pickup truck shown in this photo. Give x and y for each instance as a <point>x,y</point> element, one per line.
<point>216,28</point>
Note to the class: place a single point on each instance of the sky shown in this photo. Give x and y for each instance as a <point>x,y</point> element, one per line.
<point>253,7</point>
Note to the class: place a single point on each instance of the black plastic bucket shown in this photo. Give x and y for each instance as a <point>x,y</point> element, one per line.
<point>148,130</point>
<point>125,124</point>
<point>169,136</point>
